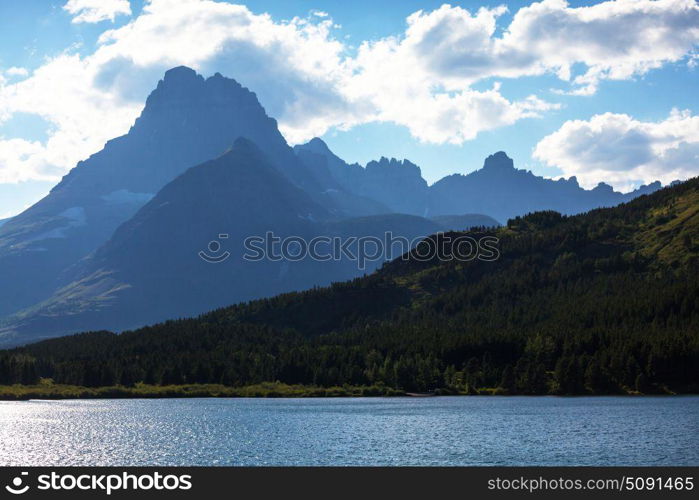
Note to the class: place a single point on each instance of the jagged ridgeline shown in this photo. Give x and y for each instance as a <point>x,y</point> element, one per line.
<point>605,302</point>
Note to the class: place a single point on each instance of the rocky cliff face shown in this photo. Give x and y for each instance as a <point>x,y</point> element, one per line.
<point>397,185</point>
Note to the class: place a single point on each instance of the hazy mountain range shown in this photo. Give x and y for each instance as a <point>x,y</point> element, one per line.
<point>115,244</point>
<point>497,190</point>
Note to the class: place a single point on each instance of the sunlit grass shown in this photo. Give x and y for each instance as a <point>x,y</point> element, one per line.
<point>49,390</point>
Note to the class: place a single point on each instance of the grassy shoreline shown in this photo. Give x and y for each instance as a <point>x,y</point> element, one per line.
<point>264,390</point>
<point>49,391</point>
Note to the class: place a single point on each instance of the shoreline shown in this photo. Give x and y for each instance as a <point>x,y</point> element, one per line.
<point>262,390</point>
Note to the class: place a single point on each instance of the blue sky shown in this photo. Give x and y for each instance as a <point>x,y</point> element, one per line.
<point>445,89</point>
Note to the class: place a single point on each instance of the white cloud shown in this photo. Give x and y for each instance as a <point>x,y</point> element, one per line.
<point>16,71</point>
<point>94,11</point>
<point>83,116</point>
<point>623,151</point>
<point>397,75</point>
<point>310,80</point>
<point>423,79</point>
<point>22,160</point>
<point>612,40</point>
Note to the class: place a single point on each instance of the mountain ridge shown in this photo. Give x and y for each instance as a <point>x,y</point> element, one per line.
<point>497,189</point>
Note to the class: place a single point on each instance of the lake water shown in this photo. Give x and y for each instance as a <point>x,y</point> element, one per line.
<point>353,431</point>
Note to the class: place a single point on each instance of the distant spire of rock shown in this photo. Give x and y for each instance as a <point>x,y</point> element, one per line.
<point>405,167</point>
<point>603,187</point>
<point>181,73</point>
<point>498,161</point>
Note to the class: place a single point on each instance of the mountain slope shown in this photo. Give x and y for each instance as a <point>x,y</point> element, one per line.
<point>332,172</point>
<point>186,120</point>
<point>397,185</point>
<point>153,268</point>
<point>604,302</point>
<point>150,268</point>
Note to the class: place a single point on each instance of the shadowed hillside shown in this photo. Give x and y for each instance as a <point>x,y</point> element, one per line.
<point>605,302</point>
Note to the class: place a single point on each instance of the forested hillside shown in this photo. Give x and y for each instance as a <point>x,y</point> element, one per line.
<point>604,302</point>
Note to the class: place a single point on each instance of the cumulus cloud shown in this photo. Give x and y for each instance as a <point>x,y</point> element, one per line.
<point>82,118</point>
<point>94,11</point>
<point>407,83</point>
<point>16,71</point>
<point>612,40</point>
<point>311,81</point>
<point>624,152</point>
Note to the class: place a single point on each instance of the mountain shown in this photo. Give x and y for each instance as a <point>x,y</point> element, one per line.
<point>186,120</point>
<point>349,176</point>
<point>339,179</point>
<point>397,185</point>
<point>408,192</point>
<point>502,192</point>
<point>498,190</point>
<point>600,303</point>
<point>151,269</point>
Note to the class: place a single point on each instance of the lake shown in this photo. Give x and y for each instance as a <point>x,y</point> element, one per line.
<point>353,431</point>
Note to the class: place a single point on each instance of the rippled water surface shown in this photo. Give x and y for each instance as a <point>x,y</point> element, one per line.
<point>371,431</point>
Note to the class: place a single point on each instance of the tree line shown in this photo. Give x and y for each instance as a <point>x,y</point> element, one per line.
<point>602,303</point>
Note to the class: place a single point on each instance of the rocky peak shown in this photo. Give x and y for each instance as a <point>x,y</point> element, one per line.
<point>498,162</point>
<point>400,167</point>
